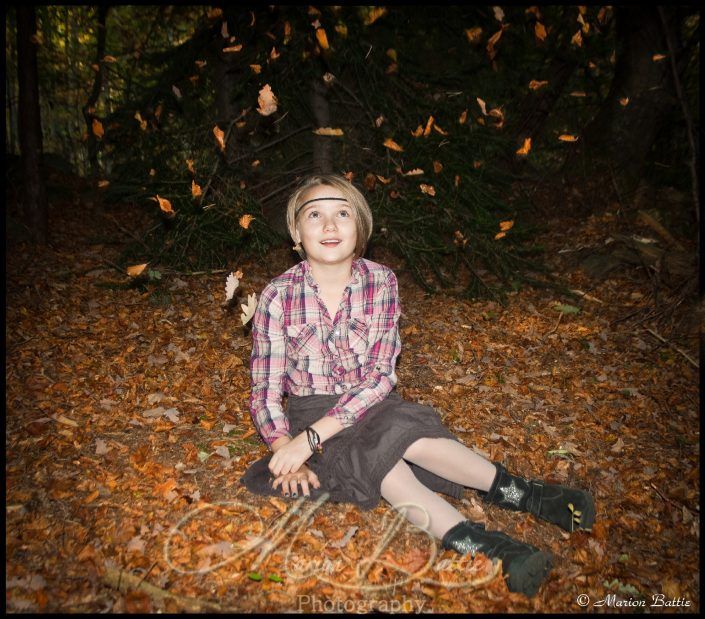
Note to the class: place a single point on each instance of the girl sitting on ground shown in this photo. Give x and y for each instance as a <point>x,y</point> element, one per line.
<point>326,333</point>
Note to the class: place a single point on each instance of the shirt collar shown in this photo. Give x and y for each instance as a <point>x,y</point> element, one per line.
<point>356,272</point>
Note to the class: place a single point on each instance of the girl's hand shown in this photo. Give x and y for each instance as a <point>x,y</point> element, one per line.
<point>289,457</point>
<point>290,481</point>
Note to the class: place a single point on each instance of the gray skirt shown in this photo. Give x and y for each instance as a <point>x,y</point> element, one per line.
<point>355,461</point>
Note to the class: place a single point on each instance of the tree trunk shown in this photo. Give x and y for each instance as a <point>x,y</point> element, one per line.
<point>89,107</point>
<point>614,145</point>
<point>30,125</point>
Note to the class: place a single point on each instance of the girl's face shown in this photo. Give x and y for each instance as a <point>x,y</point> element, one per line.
<point>327,228</point>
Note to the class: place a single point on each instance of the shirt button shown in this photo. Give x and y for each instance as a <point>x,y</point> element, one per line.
<point>339,371</point>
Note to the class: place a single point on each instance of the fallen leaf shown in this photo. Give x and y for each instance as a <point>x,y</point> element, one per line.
<point>498,13</point>
<point>135,270</point>
<point>189,165</point>
<point>483,106</point>
<point>618,446</point>
<point>577,39</point>
<point>414,172</point>
<point>437,167</point>
<point>195,189</point>
<point>373,14</point>
<point>499,235</point>
<point>103,184</point>
<point>624,101</point>
<point>418,132</point>
<point>246,220</point>
<point>176,91</point>
<point>109,59</point>
<point>429,125</point>
<point>463,117</point>
<point>164,204</point>
<point>219,137</point>
<point>578,93</point>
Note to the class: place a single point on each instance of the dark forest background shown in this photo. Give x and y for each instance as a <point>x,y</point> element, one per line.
<point>458,122</point>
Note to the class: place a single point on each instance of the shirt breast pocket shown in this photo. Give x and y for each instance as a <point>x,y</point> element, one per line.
<point>354,344</point>
<point>303,342</point>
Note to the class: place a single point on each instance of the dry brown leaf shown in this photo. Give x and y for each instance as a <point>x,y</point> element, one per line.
<point>658,57</point>
<point>567,138</point>
<point>267,101</point>
<point>506,225</point>
<point>483,106</point>
<point>97,128</point>
<point>437,167</point>
<point>189,165</point>
<point>195,189</point>
<point>624,101</point>
<point>463,117</point>
<point>540,31</point>
<point>577,39</point>
<point>427,129</point>
<point>524,150</point>
<point>103,184</point>
<point>328,131</point>
<point>219,137</point>
<point>536,84</point>
<point>427,189</point>
<point>414,172</point>
<point>256,68</point>
<point>246,220</point>
<point>392,145</point>
<point>135,270</point>
<point>232,49</point>
<point>418,132</point>
<point>474,34</point>
<point>164,204</point>
<point>322,38</point>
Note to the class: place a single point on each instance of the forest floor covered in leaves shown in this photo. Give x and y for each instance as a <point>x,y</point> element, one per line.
<point>128,430</point>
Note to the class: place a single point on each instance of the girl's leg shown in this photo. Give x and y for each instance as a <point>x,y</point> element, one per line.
<point>452,461</point>
<point>421,506</point>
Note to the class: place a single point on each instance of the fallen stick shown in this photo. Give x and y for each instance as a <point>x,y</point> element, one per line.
<point>658,337</point>
<point>124,581</point>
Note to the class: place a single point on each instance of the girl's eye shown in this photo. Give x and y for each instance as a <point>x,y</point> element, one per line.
<point>313,214</point>
<point>344,213</point>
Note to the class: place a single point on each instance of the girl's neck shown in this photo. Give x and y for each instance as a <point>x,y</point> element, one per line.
<point>332,275</point>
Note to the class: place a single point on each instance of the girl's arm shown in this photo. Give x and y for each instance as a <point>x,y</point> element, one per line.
<point>267,368</point>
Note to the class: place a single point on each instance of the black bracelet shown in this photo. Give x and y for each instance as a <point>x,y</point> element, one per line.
<point>314,441</point>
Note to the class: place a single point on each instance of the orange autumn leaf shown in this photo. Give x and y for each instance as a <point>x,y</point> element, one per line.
<point>373,15</point>
<point>97,127</point>
<point>142,122</point>
<point>135,270</point>
<point>246,220</point>
<point>274,54</point>
<point>103,184</point>
<point>427,129</point>
<point>267,101</point>
<point>437,129</point>
<point>195,189</point>
<point>463,117</point>
<point>499,235</point>
<point>492,41</point>
<point>342,30</point>
<point>349,176</point>
<point>414,172</point>
<point>506,225</point>
<point>328,131</point>
<point>624,101</point>
<point>383,180</point>
<point>536,84</point>
<point>370,181</point>
<point>577,39</point>
<point>427,189</point>
<point>392,145</point>
<point>256,68</point>
<point>567,138</point>
<point>477,164</point>
<point>322,38</point>
<point>232,48</point>
<point>437,166</point>
<point>524,150</point>
<point>189,165</point>
<point>483,106</point>
<point>418,132</point>
<point>658,57</point>
<point>164,204</point>
<point>540,31</point>
<point>165,489</point>
<point>578,93</point>
<point>474,35</point>
<point>219,137</point>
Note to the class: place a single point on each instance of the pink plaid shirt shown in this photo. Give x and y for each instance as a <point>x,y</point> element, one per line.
<point>299,349</point>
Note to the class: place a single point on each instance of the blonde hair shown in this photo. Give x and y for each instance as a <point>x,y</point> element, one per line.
<point>358,205</point>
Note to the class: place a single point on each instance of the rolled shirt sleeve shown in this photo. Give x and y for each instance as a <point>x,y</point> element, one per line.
<point>384,345</point>
<point>267,367</point>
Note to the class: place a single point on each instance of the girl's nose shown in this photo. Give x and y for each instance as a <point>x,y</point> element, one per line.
<point>329,224</point>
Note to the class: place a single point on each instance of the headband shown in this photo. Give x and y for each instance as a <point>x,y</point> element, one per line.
<point>298,210</point>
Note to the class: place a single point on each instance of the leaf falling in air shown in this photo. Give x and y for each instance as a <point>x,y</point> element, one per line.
<point>195,189</point>
<point>483,106</point>
<point>373,15</point>
<point>231,284</point>
<point>414,172</point>
<point>540,31</point>
<point>142,122</point>
<point>176,91</point>
<point>164,204</point>
<point>232,48</point>
<point>463,117</point>
<point>322,38</point>
<point>102,184</point>
<point>624,101</point>
<point>383,180</point>
<point>189,165</point>
<point>246,220</point>
<point>429,125</point>
<point>97,128</point>
<point>498,13</point>
<point>267,101</point>
<point>474,34</point>
<point>567,138</point>
<point>536,84</point>
<point>392,145</point>
<point>427,189</point>
<point>578,93</point>
<point>201,63</point>
<point>499,235</point>
<point>248,310</point>
<point>274,54</point>
<point>219,137</point>
<point>109,59</point>
<point>524,150</point>
<point>577,39</point>
<point>437,167</point>
<point>658,57</point>
<point>256,68</point>
<point>506,225</point>
<point>135,270</point>
<point>224,30</point>
<point>328,131</point>
<point>418,132</point>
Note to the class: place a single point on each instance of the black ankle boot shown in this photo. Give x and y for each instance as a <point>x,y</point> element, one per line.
<point>569,508</point>
<point>525,566</point>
